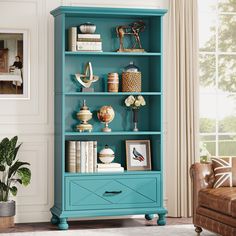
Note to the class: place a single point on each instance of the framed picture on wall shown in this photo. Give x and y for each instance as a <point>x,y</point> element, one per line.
<point>138,154</point>
<point>14,63</point>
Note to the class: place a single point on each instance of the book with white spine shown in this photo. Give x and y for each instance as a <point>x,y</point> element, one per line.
<point>89,40</point>
<point>71,156</point>
<point>78,158</point>
<point>89,36</point>
<point>89,46</point>
<point>117,169</point>
<point>86,157</point>
<point>94,156</point>
<point>110,165</point>
<point>83,157</point>
<point>90,156</point>
<point>72,32</point>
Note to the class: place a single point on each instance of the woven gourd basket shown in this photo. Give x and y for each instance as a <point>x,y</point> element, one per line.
<point>131,82</point>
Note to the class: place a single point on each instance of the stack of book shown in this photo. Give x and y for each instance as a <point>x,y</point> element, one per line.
<point>89,42</point>
<point>81,156</point>
<point>112,167</point>
<point>83,42</point>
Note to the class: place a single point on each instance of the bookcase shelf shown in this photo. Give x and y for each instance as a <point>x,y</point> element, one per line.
<point>112,94</point>
<point>120,54</point>
<point>132,192</point>
<point>130,133</point>
<point>151,172</point>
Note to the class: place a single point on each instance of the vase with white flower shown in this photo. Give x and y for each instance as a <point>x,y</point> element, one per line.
<point>135,103</point>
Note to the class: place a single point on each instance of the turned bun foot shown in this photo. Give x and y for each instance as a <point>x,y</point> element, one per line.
<point>198,230</point>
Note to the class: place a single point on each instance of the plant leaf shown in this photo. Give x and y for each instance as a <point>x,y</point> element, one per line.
<point>13,169</point>
<point>3,150</point>
<point>17,180</point>
<point>11,150</point>
<point>13,190</point>
<point>2,168</point>
<point>16,151</point>
<point>25,175</point>
<point>13,142</point>
<point>3,186</point>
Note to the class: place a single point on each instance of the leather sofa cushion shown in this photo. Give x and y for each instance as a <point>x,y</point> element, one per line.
<point>219,199</point>
<point>225,219</point>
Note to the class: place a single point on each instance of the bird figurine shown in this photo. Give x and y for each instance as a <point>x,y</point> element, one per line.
<point>137,155</point>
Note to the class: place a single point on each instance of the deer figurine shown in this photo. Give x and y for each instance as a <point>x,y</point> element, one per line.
<point>134,30</point>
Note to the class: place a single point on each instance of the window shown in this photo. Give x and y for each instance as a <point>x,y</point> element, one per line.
<point>217,74</point>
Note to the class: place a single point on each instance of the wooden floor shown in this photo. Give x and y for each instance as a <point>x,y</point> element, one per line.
<point>94,224</point>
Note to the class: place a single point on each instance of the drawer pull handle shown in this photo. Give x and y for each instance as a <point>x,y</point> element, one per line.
<point>112,192</point>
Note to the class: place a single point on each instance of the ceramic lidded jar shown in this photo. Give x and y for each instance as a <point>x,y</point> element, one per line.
<point>106,155</point>
<point>131,79</point>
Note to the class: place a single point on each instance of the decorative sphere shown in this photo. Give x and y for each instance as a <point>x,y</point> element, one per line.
<point>106,114</point>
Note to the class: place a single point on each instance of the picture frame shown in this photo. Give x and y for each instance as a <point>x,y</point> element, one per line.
<point>138,155</point>
<point>14,64</point>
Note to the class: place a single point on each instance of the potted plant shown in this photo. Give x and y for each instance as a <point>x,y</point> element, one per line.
<point>204,153</point>
<point>12,173</point>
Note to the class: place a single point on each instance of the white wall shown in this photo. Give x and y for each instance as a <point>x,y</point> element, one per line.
<point>32,119</point>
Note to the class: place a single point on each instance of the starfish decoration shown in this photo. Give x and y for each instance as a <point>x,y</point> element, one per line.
<point>87,78</point>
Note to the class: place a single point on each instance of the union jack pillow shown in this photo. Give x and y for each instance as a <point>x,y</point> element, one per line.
<point>225,171</point>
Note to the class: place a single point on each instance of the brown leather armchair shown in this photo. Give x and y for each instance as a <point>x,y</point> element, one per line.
<point>213,208</point>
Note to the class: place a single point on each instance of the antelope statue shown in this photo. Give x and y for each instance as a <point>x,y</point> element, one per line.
<point>132,29</point>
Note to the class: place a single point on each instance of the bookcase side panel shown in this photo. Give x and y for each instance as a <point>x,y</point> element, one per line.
<point>58,112</point>
<point>162,108</point>
<point>59,53</point>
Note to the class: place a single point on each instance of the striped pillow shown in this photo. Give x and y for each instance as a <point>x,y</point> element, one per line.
<point>225,171</point>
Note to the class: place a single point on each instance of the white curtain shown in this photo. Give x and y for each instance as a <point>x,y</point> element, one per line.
<point>183,76</point>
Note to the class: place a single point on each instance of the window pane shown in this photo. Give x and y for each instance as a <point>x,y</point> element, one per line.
<point>227,73</point>
<point>208,143</point>
<point>227,145</point>
<point>207,125</point>
<point>227,33</point>
<point>207,71</point>
<point>227,5</point>
<point>207,113</point>
<point>207,32</point>
<point>227,113</point>
<point>207,5</point>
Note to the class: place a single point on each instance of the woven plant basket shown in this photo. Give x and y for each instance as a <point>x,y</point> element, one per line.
<point>131,82</point>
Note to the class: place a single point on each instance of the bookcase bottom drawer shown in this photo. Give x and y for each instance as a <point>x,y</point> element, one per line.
<point>105,192</point>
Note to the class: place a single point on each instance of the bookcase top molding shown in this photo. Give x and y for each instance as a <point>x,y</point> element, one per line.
<point>101,11</point>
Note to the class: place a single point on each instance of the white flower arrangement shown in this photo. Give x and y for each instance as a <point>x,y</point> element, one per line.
<point>135,102</point>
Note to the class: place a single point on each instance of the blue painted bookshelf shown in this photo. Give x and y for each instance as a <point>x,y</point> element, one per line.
<point>138,192</point>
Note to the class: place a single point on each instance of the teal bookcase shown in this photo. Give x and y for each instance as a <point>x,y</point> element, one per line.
<point>82,194</point>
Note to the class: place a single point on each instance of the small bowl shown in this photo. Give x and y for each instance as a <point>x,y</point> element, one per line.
<point>87,28</point>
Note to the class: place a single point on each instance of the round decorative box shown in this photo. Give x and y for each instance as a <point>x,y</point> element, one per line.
<point>131,79</point>
<point>87,28</point>
<point>113,82</point>
<point>106,155</point>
